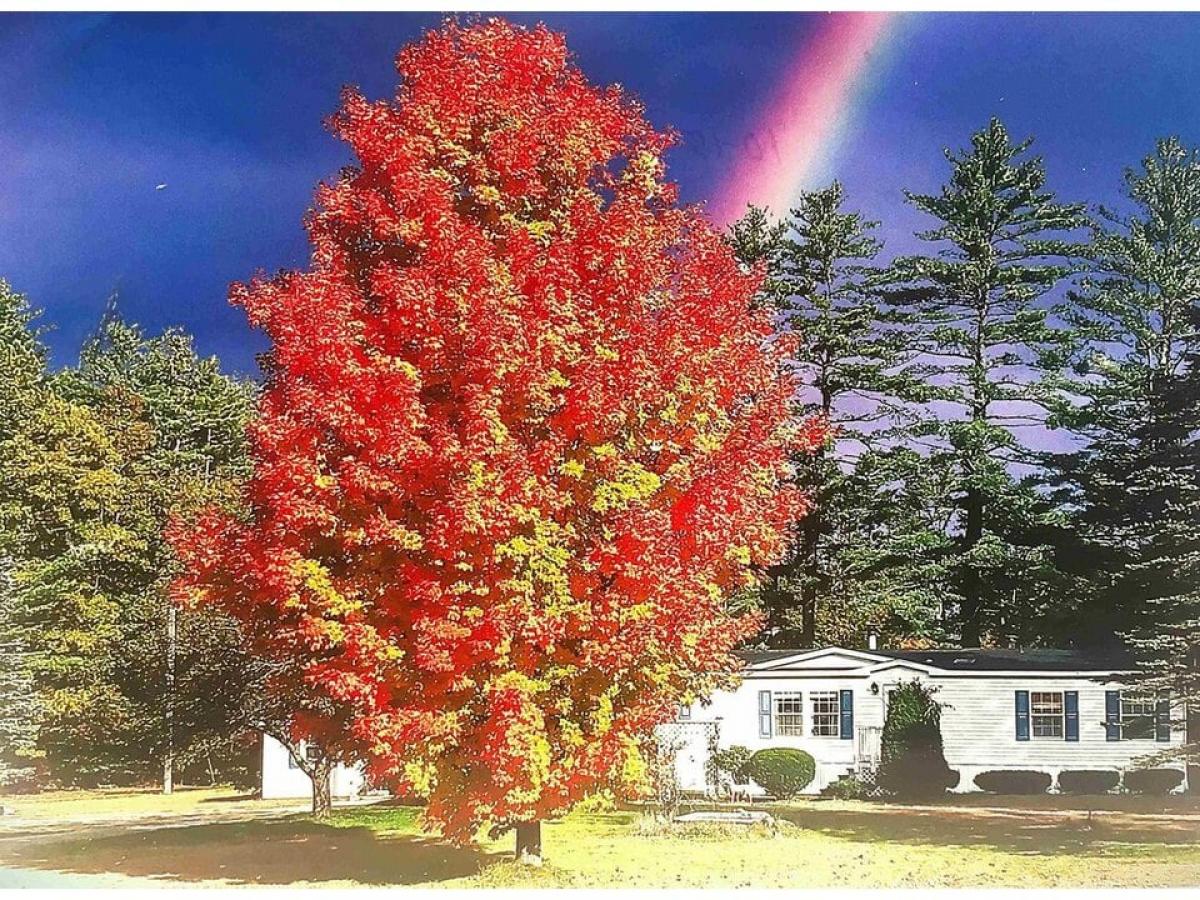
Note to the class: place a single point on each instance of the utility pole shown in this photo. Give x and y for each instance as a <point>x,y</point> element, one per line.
<point>169,756</point>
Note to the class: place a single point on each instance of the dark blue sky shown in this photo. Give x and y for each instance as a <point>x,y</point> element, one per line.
<point>227,110</point>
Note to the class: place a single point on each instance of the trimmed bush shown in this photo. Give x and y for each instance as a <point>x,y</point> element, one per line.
<point>1013,781</point>
<point>1088,781</point>
<point>1152,781</point>
<point>782,772</point>
<point>911,761</point>
<point>852,787</point>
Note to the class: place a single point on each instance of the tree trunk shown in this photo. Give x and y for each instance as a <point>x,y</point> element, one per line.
<point>811,582</point>
<point>322,791</point>
<point>972,586</point>
<point>529,843</point>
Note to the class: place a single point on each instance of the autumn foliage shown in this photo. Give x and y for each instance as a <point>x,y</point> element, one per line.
<point>523,438</point>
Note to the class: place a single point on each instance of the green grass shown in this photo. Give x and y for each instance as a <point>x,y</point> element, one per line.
<point>817,844</point>
<point>60,805</point>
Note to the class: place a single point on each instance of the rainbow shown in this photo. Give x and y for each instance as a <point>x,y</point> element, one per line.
<point>808,112</point>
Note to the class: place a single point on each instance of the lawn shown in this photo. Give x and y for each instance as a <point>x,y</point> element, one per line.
<point>818,844</point>
<point>129,802</point>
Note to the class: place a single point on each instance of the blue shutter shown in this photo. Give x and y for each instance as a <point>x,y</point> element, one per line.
<point>847,715</point>
<point>1112,715</point>
<point>764,714</point>
<point>1022,715</point>
<point>1071,708</point>
<point>1162,720</point>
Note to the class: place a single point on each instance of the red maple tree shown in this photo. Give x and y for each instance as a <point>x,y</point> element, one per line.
<point>523,436</point>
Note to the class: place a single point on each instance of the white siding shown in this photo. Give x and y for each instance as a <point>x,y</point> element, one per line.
<point>979,727</point>
<point>736,716</point>
<point>978,718</point>
<point>280,780</point>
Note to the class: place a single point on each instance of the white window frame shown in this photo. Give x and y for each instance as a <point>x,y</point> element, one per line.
<point>825,709</point>
<point>787,713</point>
<point>1056,718</point>
<point>1150,714</point>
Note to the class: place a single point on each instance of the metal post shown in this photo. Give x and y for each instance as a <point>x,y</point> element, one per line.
<point>169,756</point>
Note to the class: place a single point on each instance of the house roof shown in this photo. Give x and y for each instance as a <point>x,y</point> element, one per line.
<point>977,660</point>
<point>1009,660</point>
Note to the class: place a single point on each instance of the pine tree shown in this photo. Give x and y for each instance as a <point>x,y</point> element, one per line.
<point>982,300</point>
<point>1160,578</point>
<point>1136,309</point>
<point>856,376</point>
<point>63,530</point>
<point>93,461</point>
<point>1135,488</point>
<point>183,675</point>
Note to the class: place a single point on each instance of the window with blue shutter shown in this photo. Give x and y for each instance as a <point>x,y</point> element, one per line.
<point>1071,709</point>
<point>847,715</point>
<point>1022,700</point>
<point>764,714</point>
<point>1112,715</point>
<point>1162,720</point>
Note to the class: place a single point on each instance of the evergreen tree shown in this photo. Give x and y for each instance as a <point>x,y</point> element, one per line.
<point>1129,486</point>
<point>22,362</point>
<point>981,304</point>
<point>895,566</point>
<point>850,357</point>
<point>912,761</point>
<point>183,673</point>
<point>1135,488</point>
<point>94,461</point>
<point>64,531</point>
<point>1161,577</point>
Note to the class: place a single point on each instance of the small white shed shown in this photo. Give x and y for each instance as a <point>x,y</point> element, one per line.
<point>282,777</point>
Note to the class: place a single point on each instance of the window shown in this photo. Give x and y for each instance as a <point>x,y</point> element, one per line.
<point>1137,718</point>
<point>1046,714</point>
<point>825,713</point>
<point>685,712</point>
<point>789,713</point>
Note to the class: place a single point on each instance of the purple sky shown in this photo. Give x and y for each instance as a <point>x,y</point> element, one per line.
<point>226,110</point>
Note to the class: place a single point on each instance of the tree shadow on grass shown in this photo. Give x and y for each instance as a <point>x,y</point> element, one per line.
<point>236,798</point>
<point>281,851</point>
<point>1028,832</point>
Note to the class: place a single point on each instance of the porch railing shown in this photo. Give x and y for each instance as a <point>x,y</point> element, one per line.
<point>866,750</point>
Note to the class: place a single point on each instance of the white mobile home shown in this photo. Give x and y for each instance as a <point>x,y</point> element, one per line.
<point>1046,710</point>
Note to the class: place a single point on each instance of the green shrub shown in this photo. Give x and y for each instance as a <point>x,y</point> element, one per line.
<point>782,772</point>
<point>732,761</point>
<point>1088,781</point>
<point>852,787</point>
<point>1013,781</point>
<point>1153,781</point>
<point>911,761</point>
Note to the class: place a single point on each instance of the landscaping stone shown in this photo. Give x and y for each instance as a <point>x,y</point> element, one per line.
<point>738,817</point>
